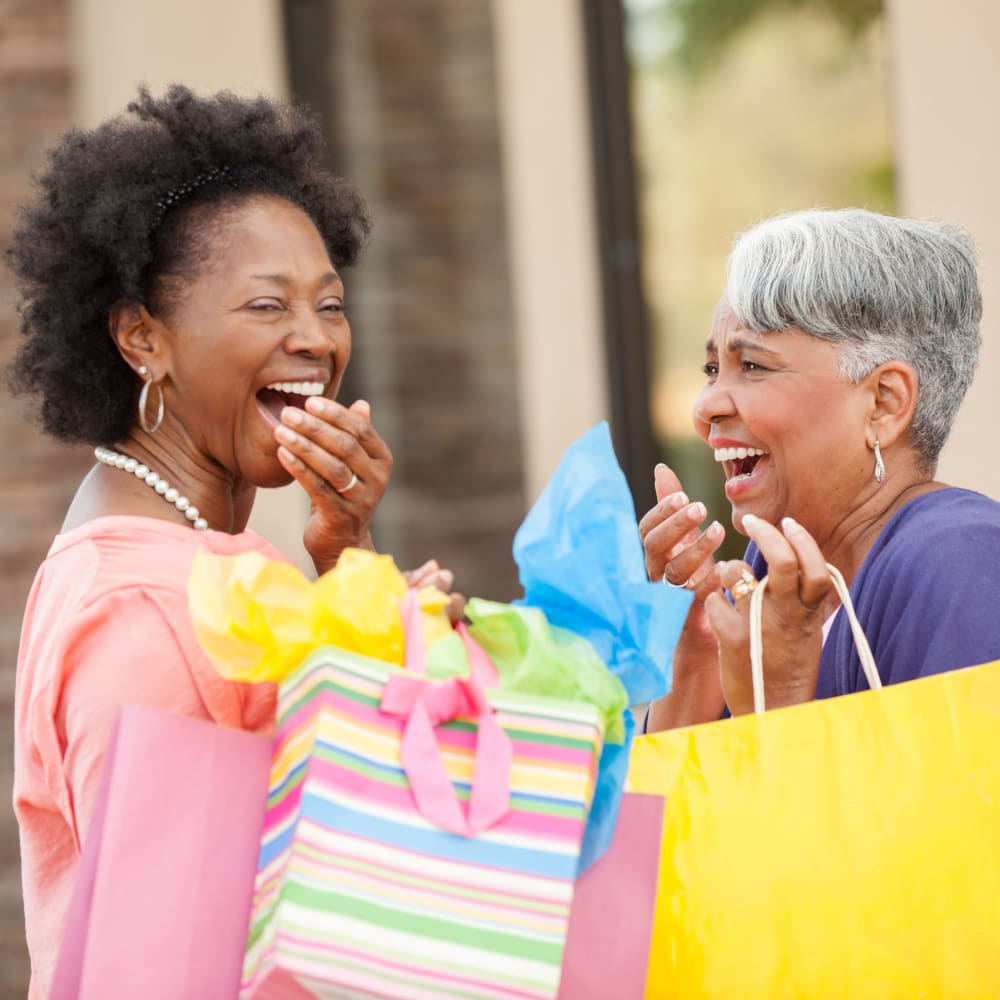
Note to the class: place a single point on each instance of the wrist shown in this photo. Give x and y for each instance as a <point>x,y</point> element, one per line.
<point>326,555</point>
<point>694,699</point>
<point>776,695</point>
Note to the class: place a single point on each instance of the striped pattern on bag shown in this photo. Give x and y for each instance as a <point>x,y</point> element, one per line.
<point>357,895</point>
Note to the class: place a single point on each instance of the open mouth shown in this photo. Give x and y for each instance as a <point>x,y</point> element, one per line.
<point>739,462</point>
<point>278,395</point>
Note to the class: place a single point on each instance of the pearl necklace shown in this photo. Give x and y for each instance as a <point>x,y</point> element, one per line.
<point>169,493</point>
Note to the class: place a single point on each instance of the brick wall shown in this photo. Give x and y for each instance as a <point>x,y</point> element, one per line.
<point>37,476</point>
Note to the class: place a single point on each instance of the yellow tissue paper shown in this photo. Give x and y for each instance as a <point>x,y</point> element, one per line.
<point>258,618</point>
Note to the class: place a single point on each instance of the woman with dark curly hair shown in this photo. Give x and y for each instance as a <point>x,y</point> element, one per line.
<point>183,312</point>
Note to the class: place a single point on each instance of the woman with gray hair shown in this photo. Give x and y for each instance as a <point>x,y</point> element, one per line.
<point>836,362</point>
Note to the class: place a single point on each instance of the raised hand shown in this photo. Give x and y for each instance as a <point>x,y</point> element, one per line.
<point>676,550</point>
<point>795,604</point>
<point>433,575</point>
<point>339,459</point>
<point>679,553</point>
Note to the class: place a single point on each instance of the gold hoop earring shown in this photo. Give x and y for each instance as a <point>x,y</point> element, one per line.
<point>879,464</point>
<point>144,401</point>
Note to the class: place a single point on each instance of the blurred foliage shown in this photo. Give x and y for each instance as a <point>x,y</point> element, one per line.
<point>701,29</point>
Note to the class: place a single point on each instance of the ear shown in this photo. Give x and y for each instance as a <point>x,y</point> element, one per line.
<point>138,337</point>
<point>894,397</point>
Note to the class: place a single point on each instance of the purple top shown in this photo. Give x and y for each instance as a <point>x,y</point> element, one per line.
<point>926,595</point>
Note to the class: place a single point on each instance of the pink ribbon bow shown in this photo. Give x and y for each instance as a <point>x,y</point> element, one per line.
<point>426,704</point>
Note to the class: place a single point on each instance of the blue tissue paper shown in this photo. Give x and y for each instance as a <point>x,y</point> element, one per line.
<point>580,561</point>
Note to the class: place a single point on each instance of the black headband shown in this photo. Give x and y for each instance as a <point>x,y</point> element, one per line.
<point>174,195</point>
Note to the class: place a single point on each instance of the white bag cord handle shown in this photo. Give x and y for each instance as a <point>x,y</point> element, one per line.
<point>757,639</point>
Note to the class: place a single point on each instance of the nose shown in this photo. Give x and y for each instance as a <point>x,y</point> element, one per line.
<point>311,334</point>
<point>714,403</point>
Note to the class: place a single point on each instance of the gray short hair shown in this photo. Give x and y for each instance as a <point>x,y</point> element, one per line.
<point>884,288</point>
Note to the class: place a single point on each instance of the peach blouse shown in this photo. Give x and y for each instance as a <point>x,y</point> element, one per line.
<point>106,624</point>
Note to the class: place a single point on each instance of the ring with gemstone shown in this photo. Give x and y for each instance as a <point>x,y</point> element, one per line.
<point>744,586</point>
<point>350,486</point>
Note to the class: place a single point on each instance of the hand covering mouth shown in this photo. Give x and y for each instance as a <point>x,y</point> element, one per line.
<point>280,394</point>
<point>739,461</point>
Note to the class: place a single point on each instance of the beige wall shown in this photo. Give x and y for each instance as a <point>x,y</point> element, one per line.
<point>552,240</point>
<point>206,44</point>
<point>946,76</point>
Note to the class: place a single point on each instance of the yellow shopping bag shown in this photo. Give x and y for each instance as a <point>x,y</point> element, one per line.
<point>847,848</point>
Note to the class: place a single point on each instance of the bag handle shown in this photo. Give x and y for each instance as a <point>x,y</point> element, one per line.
<point>757,637</point>
<point>481,667</point>
<point>425,704</point>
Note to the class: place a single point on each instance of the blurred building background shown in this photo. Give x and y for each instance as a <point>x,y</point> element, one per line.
<point>555,185</point>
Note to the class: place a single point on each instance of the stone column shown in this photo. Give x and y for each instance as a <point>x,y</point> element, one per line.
<point>551,218</point>
<point>945,76</point>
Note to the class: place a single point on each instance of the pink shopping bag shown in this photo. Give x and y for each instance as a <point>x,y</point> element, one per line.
<point>162,899</point>
<point>611,924</point>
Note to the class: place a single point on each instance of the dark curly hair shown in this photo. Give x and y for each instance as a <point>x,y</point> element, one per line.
<point>125,212</point>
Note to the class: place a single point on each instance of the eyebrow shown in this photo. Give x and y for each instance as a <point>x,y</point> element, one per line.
<point>281,279</point>
<point>739,344</point>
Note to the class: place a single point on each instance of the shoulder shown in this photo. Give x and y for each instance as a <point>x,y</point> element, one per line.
<point>945,509</point>
<point>949,530</point>
<point>923,594</point>
<point>108,623</point>
<point>120,578</point>
<point>139,553</point>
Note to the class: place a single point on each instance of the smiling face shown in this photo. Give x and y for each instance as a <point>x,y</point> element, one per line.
<point>262,325</point>
<point>787,429</point>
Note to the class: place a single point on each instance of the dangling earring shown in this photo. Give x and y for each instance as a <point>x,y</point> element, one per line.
<point>879,464</point>
<point>144,400</point>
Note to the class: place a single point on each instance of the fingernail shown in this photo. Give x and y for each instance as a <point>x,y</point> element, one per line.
<point>291,415</point>
<point>750,519</point>
<point>285,435</point>
<point>658,466</point>
<point>447,579</point>
<point>789,523</point>
<point>316,405</point>
<point>714,530</point>
<point>676,500</point>
<point>698,511</point>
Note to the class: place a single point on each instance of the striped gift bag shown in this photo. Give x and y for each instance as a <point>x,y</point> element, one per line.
<point>358,894</point>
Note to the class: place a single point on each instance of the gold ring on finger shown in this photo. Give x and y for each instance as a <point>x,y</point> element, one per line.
<point>744,586</point>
